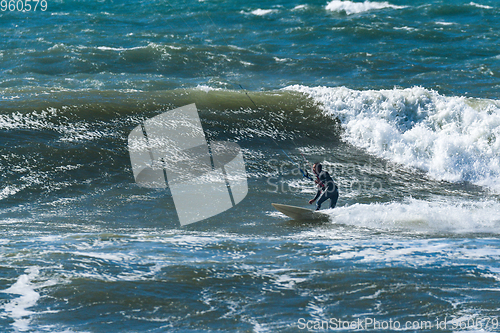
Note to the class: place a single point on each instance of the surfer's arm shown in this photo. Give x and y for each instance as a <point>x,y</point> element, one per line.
<point>315,197</point>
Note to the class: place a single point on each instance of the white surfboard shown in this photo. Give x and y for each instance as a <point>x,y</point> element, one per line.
<point>299,213</point>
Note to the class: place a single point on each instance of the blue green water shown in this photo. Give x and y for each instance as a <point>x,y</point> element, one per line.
<point>398,100</point>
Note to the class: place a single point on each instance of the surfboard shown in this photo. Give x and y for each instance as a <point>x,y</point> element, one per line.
<point>299,213</point>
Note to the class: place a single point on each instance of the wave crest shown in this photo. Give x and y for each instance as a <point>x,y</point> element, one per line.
<point>451,138</point>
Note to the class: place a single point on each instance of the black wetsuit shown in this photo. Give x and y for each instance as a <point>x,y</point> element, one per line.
<point>327,189</point>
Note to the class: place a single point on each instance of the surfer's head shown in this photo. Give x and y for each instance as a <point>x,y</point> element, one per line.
<point>317,168</point>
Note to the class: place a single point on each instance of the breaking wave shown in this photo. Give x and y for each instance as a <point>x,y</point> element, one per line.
<point>452,138</point>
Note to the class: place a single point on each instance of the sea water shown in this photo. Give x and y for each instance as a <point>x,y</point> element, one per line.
<point>397,99</point>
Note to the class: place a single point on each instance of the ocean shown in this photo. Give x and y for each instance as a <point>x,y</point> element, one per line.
<point>398,99</point>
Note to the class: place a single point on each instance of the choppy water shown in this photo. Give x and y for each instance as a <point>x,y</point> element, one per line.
<point>398,100</point>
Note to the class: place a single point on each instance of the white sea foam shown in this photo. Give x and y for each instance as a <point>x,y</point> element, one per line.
<point>299,7</point>
<point>405,28</point>
<point>452,138</point>
<point>108,48</point>
<point>26,294</point>
<point>444,23</point>
<point>8,191</point>
<point>262,12</point>
<point>206,88</point>
<point>281,59</point>
<point>350,7</point>
<point>18,308</point>
<point>424,216</point>
<point>480,6</point>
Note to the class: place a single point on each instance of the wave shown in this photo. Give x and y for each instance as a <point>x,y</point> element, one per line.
<point>455,139</point>
<point>45,130</point>
<point>71,112</point>
<point>350,7</point>
<point>452,138</point>
<point>75,60</point>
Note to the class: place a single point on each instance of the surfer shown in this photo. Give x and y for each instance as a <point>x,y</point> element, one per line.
<point>327,189</point>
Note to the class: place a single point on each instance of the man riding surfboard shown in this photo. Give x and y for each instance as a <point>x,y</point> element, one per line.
<point>327,189</point>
